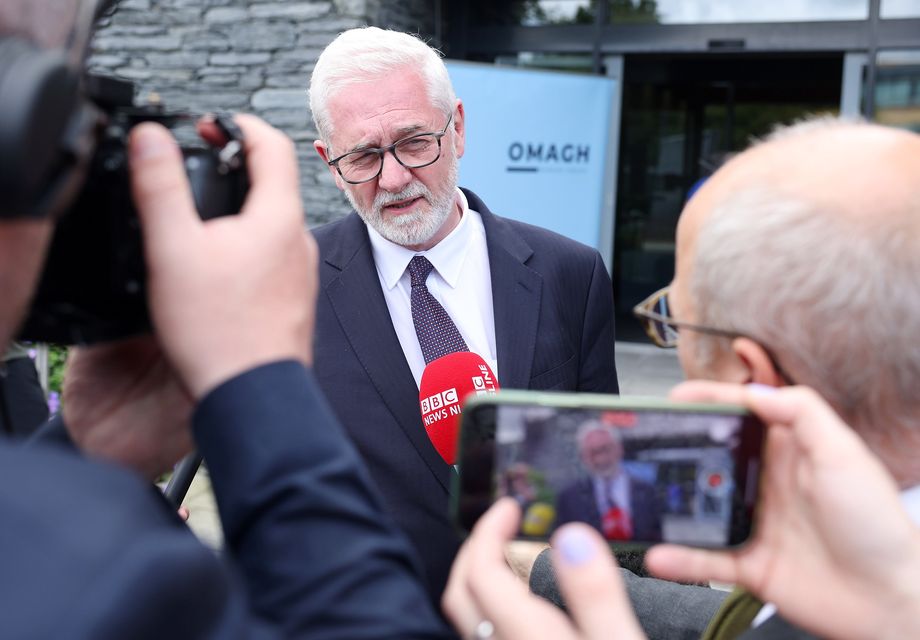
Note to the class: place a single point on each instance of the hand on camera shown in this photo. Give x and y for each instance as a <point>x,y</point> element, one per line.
<point>232,293</point>
<point>124,403</point>
<point>483,593</point>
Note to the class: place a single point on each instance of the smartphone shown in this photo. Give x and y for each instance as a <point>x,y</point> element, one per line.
<point>639,470</point>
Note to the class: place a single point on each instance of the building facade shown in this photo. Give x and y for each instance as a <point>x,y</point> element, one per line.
<point>245,55</point>
<point>698,79</point>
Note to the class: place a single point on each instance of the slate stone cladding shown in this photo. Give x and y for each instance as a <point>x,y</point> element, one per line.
<point>246,55</point>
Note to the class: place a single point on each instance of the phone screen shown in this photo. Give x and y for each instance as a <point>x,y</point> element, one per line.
<point>639,475</point>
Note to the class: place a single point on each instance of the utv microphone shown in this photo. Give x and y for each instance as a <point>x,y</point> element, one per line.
<point>445,384</point>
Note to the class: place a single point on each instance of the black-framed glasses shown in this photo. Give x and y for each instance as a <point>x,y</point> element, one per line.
<point>414,152</point>
<point>655,315</point>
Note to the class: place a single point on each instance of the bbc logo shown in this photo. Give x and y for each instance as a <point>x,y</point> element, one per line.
<point>438,400</point>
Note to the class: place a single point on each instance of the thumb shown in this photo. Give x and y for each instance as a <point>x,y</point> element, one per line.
<point>160,188</point>
<point>592,586</point>
<point>677,563</point>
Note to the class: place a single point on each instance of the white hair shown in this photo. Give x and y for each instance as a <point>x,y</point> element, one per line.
<point>369,53</point>
<point>833,295</point>
<point>590,426</point>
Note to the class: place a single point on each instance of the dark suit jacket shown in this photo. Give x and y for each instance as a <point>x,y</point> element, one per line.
<point>22,393</point>
<point>577,503</point>
<point>553,306</point>
<point>91,551</point>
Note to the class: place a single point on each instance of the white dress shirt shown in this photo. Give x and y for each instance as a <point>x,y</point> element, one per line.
<point>461,281</point>
<point>616,489</point>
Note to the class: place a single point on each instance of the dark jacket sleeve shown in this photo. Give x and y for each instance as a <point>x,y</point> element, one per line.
<point>89,550</point>
<point>666,610</point>
<point>52,432</point>
<point>598,371</point>
<point>317,552</point>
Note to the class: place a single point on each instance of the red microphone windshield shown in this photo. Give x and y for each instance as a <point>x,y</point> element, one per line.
<point>446,382</point>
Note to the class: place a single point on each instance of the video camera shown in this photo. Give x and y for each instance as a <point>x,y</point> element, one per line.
<point>63,153</point>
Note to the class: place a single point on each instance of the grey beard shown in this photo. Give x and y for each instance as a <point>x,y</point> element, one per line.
<point>411,229</point>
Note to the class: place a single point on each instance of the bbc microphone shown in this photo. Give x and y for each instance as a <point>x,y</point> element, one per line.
<point>446,382</point>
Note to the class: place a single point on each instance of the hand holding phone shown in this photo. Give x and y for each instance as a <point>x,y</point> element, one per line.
<point>835,548</point>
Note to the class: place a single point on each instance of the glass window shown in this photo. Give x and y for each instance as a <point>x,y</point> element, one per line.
<point>683,116</point>
<point>725,11</point>
<point>533,13</point>
<point>900,9</point>
<point>576,63</point>
<point>897,89</point>
<point>561,12</point>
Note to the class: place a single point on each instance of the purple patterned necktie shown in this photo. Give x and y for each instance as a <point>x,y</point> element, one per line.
<point>437,333</point>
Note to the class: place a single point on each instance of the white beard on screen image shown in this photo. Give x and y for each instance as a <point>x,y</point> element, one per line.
<point>417,227</point>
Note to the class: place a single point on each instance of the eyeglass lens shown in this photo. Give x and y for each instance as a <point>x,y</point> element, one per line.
<point>413,153</point>
<point>666,333</point>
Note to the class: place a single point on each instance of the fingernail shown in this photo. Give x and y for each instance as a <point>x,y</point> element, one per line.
<point>146,144</point>
<point>575,547</point>
<point>761,389</point>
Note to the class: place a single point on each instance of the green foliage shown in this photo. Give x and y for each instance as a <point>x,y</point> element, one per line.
<point>57,356</point>
<point>633,11</point>
<point>619,11</point>
<point>540,13</point>
<point>544,493</point>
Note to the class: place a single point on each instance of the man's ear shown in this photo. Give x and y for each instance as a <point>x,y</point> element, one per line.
<point>758,364</point>
<point>459,127</point>
<point>323,152</point>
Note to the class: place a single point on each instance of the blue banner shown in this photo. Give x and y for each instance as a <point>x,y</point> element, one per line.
<point>536,145</point>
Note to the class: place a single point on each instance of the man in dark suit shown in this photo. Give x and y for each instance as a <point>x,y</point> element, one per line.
<point>536,306</point>
<point>24,406</point>
<point>618,505</point>
<point>88,548</point>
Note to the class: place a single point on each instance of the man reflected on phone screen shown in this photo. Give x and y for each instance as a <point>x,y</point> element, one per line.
<point>620,506</point>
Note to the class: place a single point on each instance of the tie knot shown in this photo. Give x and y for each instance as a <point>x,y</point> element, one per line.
<point>419,268</point>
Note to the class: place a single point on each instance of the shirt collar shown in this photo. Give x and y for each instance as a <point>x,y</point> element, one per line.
<point>447,256</point>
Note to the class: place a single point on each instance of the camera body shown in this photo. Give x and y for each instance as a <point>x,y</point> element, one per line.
<point>93,287</point>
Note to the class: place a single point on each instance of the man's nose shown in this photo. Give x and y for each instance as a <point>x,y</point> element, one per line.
<point>393,177</point>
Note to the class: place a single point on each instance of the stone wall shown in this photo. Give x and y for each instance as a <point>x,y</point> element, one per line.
<point>246,55</point>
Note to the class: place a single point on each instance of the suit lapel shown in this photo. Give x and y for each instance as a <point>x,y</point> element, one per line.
<point>516,295</point>
<point>358,303</point>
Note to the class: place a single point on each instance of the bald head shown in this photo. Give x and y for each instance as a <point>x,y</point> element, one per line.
<point>809,242</point>
<point>855,169</point>
<point>864,172</point>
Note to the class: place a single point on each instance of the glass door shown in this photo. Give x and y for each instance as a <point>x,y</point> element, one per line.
<point>682,118</point>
